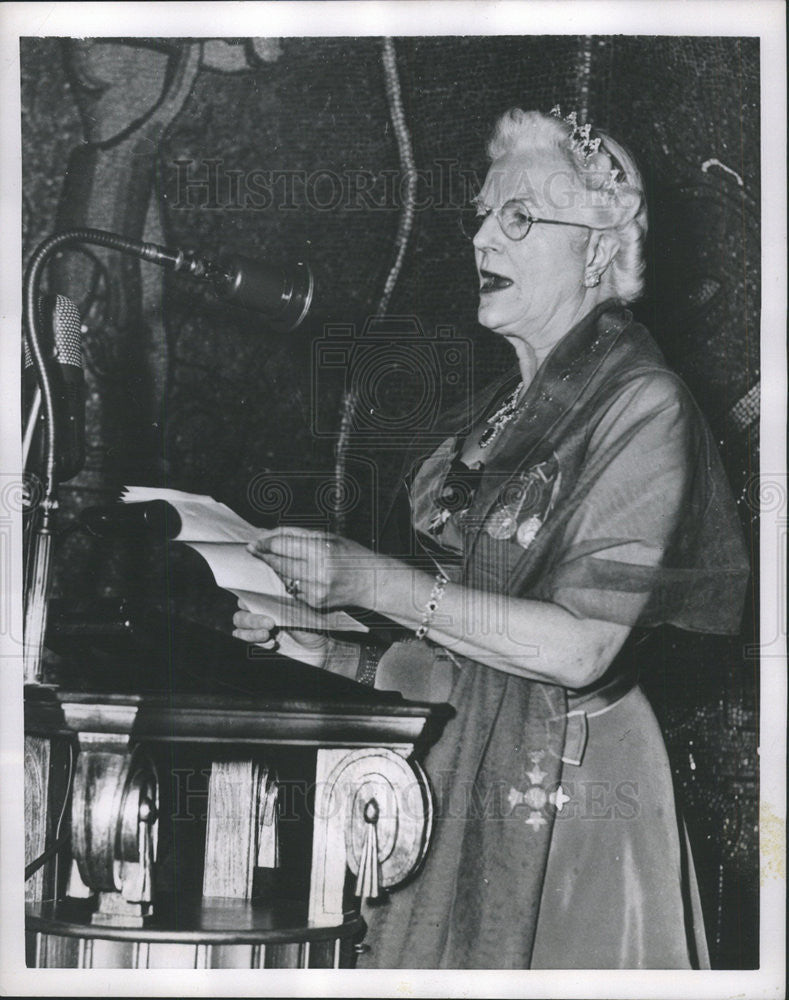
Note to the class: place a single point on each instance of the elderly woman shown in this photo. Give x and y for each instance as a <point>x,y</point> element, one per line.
<point>580,503</point>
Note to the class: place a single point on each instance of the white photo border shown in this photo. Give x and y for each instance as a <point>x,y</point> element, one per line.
<point>762,18</point>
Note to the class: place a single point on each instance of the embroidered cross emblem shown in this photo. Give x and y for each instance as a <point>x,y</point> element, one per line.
<point>536,798</point>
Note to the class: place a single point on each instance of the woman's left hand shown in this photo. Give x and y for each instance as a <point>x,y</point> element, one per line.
<point>320,568</point>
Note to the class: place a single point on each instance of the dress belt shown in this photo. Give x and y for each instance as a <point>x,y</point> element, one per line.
<point>595,700</point>
<point>582,705</point>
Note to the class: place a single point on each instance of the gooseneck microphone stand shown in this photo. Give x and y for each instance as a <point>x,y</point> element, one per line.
<point>284,294</point>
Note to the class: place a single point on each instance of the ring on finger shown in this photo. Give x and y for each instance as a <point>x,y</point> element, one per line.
<point>293,587</point>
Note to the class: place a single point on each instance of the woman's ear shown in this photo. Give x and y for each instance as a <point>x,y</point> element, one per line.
<point>601,249</point>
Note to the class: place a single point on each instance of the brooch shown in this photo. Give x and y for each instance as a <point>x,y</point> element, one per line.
<point>536,797</point>
<point>527,531</point>
<point>530,497</point>
<point>501,524</point>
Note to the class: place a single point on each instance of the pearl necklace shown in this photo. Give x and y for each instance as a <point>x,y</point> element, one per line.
<point>508,409</point>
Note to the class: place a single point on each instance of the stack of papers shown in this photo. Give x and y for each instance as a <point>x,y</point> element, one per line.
<point>221,537</point>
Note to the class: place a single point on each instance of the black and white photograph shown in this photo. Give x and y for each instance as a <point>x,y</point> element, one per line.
<point>393,499</point>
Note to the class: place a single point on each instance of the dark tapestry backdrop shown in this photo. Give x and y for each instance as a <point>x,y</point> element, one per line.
<point>282,147</point>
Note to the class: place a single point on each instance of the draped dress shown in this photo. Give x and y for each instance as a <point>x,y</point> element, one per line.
<point>557,841</point>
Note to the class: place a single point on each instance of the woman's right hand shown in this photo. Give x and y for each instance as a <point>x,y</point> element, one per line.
<point>298,644</point>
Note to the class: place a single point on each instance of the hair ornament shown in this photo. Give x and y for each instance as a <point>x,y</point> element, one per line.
<point>581,144</point>
<point>614,178</point>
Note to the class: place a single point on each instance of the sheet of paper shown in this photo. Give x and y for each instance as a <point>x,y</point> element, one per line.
<point>236,569</point>
<point>220,536</point>
<point>290,613</point>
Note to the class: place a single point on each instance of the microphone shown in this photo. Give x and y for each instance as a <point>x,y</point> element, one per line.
<point>61,329</point>
<point>133,519</point>
<point>283,292</point>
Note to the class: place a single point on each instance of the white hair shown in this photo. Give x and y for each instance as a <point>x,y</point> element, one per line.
<point>617,205</point>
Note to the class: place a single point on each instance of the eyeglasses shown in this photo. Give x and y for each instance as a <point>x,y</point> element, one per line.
<point>512,217</point>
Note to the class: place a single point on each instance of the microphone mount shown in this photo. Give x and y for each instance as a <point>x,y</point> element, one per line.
<point>285,295</point>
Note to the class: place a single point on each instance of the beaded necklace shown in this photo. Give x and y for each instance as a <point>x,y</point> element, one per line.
<point>508,409</point>
<point>461,481</point>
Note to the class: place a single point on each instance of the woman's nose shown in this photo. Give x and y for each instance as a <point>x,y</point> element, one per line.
<point>488,236</point>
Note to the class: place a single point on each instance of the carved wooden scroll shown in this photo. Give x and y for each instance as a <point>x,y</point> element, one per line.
<point>114,820</point>
<point>373,814</point>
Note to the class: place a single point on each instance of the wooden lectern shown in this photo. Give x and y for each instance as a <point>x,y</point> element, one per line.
<point>194,802</point>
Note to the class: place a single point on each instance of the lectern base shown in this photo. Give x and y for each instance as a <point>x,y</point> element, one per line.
<point>190,933</point>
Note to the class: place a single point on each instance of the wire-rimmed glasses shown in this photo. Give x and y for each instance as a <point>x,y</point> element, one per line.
<point>513,217</point>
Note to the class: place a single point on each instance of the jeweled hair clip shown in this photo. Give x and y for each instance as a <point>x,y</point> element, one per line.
<point>580,141</point>
<point>614,177</point>
<point>584,147</point>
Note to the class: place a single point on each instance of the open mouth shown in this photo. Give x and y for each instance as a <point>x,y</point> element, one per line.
<point>492,282</point>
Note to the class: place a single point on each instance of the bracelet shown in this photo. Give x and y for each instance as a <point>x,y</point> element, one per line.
<point>368,664</point>
<point>430,608</point>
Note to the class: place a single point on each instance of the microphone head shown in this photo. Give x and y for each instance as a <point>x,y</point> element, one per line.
<point>68,332</point>
<point>61,328</point>
<point>282,292</point>
<point>133,520</point>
